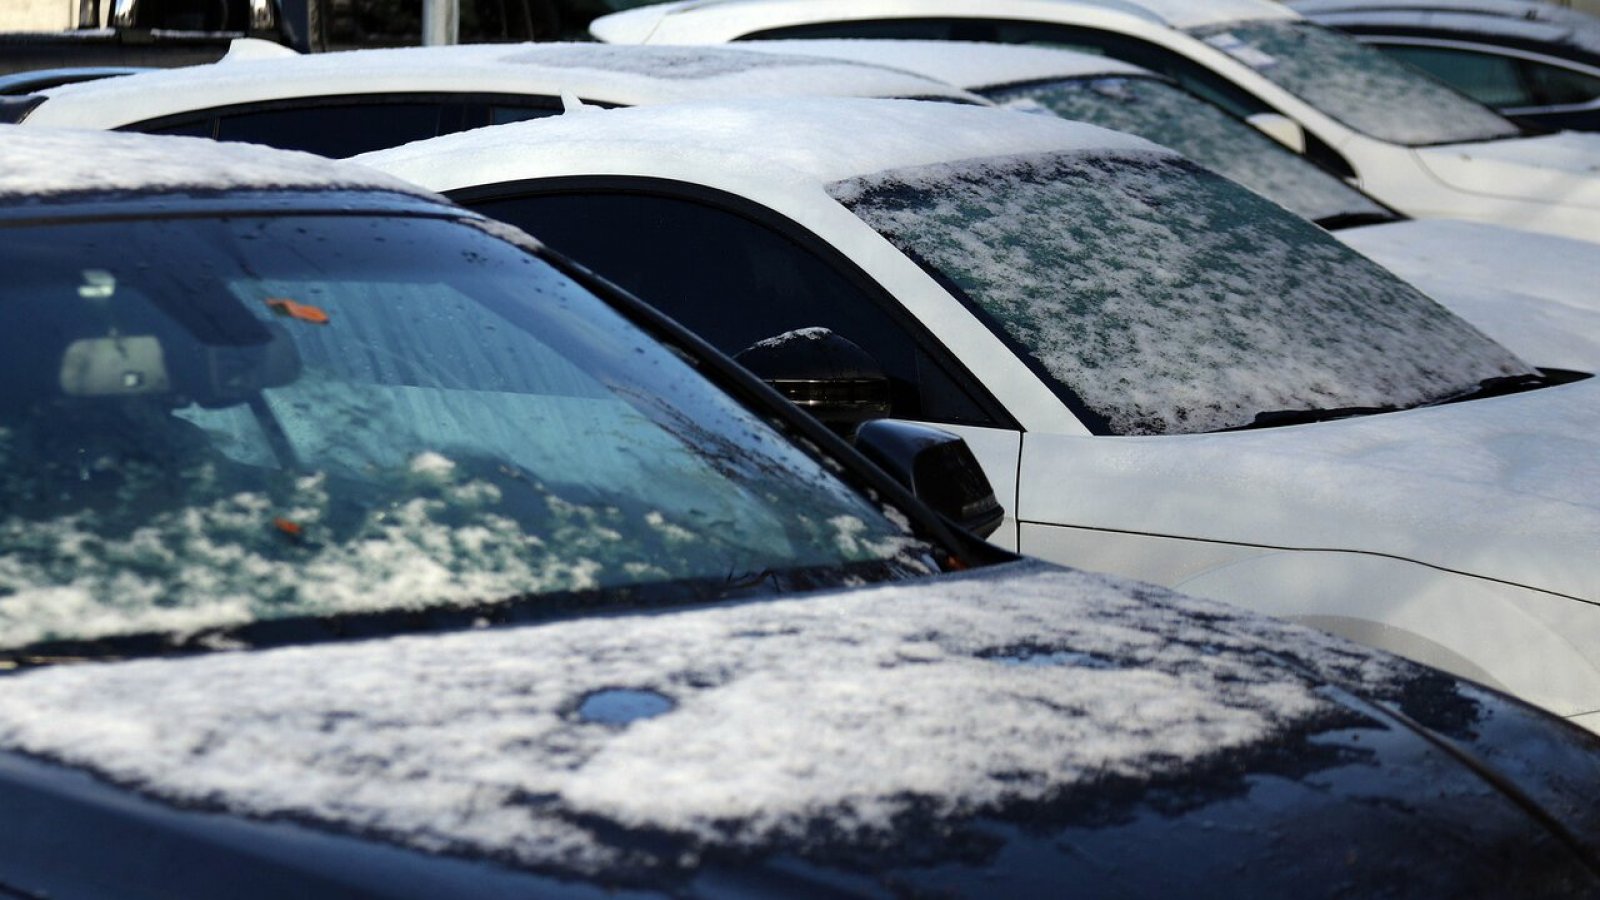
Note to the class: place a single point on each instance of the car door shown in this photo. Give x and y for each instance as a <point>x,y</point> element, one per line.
<point>737,273</point>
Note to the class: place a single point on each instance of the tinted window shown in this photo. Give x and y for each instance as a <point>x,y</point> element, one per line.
<point>1485,77</point>
<point>735,281</point>
<point>1556,85</point>
<point>342,130</point>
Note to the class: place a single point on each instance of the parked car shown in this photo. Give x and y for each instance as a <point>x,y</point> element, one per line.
<point>354,544</point>
<point>341,104</point>
<point>1135,348</point>
<point>1408,140</point>
<point>1536,61</point>
<point>158,33</point>
<point>1534,293</point>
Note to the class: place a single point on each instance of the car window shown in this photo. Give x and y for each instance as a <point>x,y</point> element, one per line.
<point>208,423</point>
<point>1486,77</point>
<point>1170,116</point>
<point>1356,84</point>
<point>1159,298</point>
<point>736,281</point>
<point>341,130</point>
<point>1556,85</point>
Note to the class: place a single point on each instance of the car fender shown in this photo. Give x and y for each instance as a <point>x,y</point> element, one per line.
<point>1506,636</point>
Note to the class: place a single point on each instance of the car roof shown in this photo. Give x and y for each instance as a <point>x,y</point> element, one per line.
<point>45,164</point>
<point>1521,22</point>
<point>642,24</point>
<point>965,64</point>
<point>813,141</point>
<point>595,72</point>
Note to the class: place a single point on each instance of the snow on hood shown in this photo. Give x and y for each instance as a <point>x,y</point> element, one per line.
<point>739,725</point>
<point>1537,294</point>
<point>608,74</point>
<point>973,66</point>
<point>1559,168</point>
<point>37,162</point>
<point>1505,488</point>
<point>806,140</point>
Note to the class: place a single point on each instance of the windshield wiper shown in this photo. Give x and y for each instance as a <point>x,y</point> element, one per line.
<point>1515,384</point>
<point>1355,220</point>
<point>1280,417</point>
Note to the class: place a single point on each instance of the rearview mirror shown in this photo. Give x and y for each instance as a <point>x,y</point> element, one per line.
<point>938,467</point>
<point>1282,129</point>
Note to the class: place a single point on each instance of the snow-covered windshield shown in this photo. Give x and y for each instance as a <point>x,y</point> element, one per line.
<point>1356,84</point>
<point>1158,297</point>
<point>206,423</point>
<point>1172,117</point>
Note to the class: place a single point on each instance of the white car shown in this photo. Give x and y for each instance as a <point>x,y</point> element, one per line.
<point>1102,371</point>
<point>1404,138</point>
<point>341,104</point>
<point>1535,293</point>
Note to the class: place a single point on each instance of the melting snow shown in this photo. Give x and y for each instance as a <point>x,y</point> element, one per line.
<point>746,724</point>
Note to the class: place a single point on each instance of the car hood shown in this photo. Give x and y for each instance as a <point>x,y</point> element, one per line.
<point>1537,294</point>
<point>1009,723</point>
<point>1561,168</point>
<point>1506,488</point>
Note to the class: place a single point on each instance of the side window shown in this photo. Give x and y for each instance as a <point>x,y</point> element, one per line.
<point>341,130</point>
<point>735,281</point>
<point>1488,78</point>
<point>1557,86</point>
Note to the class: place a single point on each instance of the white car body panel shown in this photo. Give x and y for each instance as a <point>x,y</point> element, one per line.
<point>1396,174</point>
<point>1494,499</point>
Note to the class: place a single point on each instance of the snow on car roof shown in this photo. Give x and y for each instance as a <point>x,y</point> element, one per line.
<point>597,72</point>
<point>742,725</point>
<point>646,24</point>
<point>42,162</point>
<point>964,64</point>
<point>1516,19</point>
<point>811,140</point>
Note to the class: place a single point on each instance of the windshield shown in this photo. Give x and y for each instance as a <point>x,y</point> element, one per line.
<point>1356,84</point>
<point>1172,117</point>
<point>206,423</point>
<point>1159,298</point>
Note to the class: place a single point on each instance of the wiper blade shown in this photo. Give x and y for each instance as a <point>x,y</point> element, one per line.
<point>1355,220</point>
<point>1279,417</point>
<point>1515,384</point>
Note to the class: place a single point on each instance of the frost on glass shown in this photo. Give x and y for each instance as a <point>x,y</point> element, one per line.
<point>443,421</point>
<point>1160,298</point>
<point>1171,117</point>
<point>1356,84</point>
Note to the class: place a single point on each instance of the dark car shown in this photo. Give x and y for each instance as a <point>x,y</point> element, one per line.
<point>357,545</point>
<point>1534,60</point>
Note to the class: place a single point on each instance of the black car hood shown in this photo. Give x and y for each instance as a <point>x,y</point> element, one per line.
<point>1014,729</point>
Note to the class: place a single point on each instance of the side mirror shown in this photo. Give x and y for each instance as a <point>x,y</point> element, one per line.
<point>826,375</point>
<point>1282,129</point>
<point>938,467</point>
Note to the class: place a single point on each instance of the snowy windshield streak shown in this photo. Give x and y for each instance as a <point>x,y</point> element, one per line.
<point>207,423</point>
<point>1160,298</point>
<point>1356,84</point>
<point>1174,118</point>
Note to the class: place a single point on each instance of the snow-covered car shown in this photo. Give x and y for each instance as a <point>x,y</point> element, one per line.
<point>341,104</point>
<point>1533,60</point>
<point>1534,293</point>
<point>352,544</point>
<point>1405,138</point>
<point>1134,347</point>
